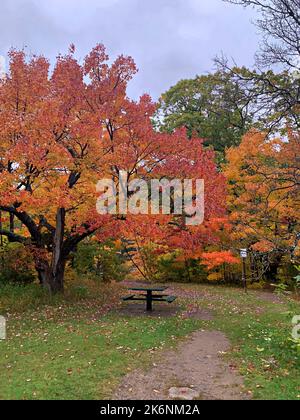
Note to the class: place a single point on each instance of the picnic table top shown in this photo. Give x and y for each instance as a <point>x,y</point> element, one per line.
<point>148,289</point>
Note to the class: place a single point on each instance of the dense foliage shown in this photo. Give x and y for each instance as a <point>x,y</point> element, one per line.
<point>61,133</point>
<point>102,261</point>
<point>16,265</point>
<point>213,106</point>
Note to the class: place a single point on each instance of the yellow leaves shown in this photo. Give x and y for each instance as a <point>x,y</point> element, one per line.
<point>263,197</point>
<point>118,244</point>
<point>215,277</point>
<point>297,251</point>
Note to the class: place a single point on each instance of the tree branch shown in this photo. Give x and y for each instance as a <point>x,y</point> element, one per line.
<point>13,237</point>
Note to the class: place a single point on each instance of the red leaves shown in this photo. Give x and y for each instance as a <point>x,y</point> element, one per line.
<point>94,65</point>
<point>60,134</point>
<point>263,246</point>
<point>216,259</point>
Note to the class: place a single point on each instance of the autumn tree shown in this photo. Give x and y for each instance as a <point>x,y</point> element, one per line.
<point>264,192</point>
<point>154,237</point>
<point>63,131</point>
<point>51,150</point>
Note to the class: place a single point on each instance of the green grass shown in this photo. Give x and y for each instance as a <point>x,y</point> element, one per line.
<point>265,355</point>
<point>79,360</point>
<point>77,349</point>
<point>260,333</point>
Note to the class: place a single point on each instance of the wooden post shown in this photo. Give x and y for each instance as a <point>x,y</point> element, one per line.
<point>244,254</point>
<point>244,275</point>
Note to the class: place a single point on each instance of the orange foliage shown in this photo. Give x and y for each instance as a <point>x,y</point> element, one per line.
<point>62,132</point>
<point>216,259</point>
<point>264,195</point>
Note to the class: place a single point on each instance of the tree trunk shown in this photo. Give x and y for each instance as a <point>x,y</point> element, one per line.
<point>52,278</point>
<point>51,275</point>
<point>187,267</point>
<point>1,237</point>
<point>11,223</point>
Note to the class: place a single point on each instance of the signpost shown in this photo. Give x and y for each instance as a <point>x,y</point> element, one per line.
<point>244,255</point>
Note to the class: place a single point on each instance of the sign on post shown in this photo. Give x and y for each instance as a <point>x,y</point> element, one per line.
<point>244,253</point>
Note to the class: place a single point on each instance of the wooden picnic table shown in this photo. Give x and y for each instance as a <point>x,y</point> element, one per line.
<point>150,295</point>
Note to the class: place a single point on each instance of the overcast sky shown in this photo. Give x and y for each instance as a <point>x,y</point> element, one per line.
<point>169,39</point>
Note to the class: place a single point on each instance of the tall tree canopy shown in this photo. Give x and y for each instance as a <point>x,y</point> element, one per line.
<point>62,132</point>
<point>264,195</point>
<point>214,106</point>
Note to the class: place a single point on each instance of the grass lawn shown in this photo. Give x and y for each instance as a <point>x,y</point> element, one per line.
<point>81,347</point>
<point>260,333</point>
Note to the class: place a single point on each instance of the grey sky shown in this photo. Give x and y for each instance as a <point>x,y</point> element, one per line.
<point>169,39</point>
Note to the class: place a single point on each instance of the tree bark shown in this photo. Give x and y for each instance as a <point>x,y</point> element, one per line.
<point>1,237</point>
<point>52,278</point>
<point>50,270</point>
<point>11,223</point>
<point>187,267</point>
<point>51,275</point>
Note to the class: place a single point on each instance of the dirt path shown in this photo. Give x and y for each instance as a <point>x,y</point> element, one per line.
<point>196,364</point>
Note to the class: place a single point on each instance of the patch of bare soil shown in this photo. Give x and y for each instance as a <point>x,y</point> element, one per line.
<point>159,310</point>
<point>165,311</point>
<point>268,297</point>
<point>196,364</point>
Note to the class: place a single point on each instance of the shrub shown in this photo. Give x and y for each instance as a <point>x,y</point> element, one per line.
<point>297,281</point>
<point>171,268</point>
<point>16,265</point>
<point>102,260</point>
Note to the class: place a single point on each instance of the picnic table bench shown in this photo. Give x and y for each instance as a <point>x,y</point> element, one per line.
<point>148,296</point>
